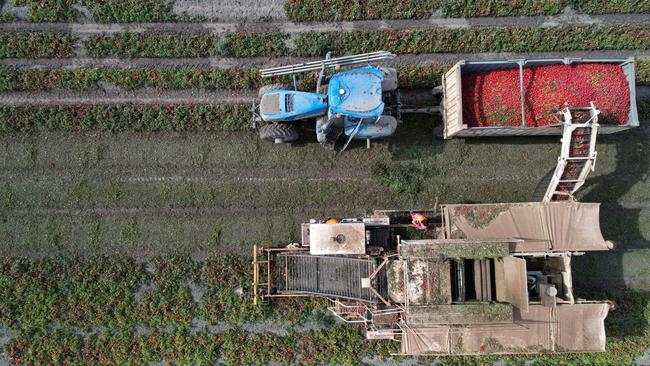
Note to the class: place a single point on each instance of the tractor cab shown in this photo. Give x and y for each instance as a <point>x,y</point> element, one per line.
<point>356,93</point>
<point>356,105</point>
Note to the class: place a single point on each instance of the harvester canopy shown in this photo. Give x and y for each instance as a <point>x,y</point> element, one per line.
<point>566,328</point>
<point>536,226</point>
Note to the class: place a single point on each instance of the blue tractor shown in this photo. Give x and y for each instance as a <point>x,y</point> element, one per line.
<point>358,103</point>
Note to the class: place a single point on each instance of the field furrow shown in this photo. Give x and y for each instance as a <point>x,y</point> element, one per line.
<point>220,28</point>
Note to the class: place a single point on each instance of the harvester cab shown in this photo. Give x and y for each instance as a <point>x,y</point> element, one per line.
<point>358,103</point>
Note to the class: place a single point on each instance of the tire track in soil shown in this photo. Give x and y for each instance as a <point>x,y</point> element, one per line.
<point>158,211</point>
<point>262,62</point>
<point>84,29</point>
<point>169,211</point>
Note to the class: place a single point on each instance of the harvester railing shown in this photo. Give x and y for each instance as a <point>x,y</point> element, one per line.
<point>262,271</point>
<point>578,155</point>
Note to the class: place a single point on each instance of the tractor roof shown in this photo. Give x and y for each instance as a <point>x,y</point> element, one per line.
<point>356,93</point>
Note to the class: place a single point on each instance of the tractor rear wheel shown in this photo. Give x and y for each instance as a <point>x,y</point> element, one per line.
<point>279,133</point>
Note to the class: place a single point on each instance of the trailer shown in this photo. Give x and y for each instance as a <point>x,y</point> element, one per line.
<point>456,124</point>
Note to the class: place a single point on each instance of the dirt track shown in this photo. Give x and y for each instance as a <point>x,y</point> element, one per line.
<point>177,189</point>
<point>84,29</point>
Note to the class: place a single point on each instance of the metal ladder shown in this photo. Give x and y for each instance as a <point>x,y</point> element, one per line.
<point>578,155</point>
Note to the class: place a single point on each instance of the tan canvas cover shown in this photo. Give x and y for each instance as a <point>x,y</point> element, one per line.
<point>510,281</point>
<point>582,327</point>
<point>426,341</point>
<point>567,328</point>
<point>555,226</point>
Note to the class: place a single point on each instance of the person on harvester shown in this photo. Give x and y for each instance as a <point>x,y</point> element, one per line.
<point>418,220</point>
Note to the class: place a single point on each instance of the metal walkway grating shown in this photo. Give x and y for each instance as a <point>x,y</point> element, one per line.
<point>326,275</point>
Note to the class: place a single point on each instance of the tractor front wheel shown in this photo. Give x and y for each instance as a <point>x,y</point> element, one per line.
<point>279,133</point>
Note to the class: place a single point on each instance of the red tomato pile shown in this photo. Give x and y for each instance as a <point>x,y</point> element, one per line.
<point>492,98</point>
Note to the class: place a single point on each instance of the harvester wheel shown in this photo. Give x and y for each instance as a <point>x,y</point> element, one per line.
<point>277,86</point>
<point>542,186</point>
<point>279,132</point>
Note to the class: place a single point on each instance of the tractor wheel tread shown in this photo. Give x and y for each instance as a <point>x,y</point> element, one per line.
<point>279,131</point>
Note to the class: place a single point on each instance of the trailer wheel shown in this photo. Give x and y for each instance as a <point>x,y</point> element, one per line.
<point>277,86</point>
<point>542,186</point>
<point>279,133</point>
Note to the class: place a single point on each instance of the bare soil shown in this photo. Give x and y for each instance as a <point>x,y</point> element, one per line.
<point>146,194</point>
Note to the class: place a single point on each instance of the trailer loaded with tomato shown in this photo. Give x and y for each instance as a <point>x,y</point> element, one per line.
<point>523,97</point>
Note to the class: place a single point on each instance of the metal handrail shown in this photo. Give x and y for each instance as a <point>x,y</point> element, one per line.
<point>332,62</point>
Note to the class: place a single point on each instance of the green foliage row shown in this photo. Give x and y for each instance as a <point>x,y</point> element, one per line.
<point>180,346</point>
<point>151,45</point>
<point>4,17</point>
<point>482,39</point>
<point>163,78</point>
<point>170,78</point>
<point>414,41</point>
<point>104,11</point>
<point>500,8</point>
<point>471,40</point>
<point>50,10</point>
<point>126,117</point>
<point>642,72</point>
<point>238,44</point>
<point>177,346</point>
<point>83,311</point>
<point>100,292</point>
<point>341,10</point>
<point>36,45</point>
<point>128,11</point>
<point>242,44</point>
<point>416,76</point>
<point>643,107</point>
<point>612,6</point>
<point>90,302</point>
